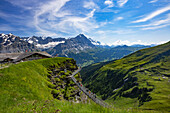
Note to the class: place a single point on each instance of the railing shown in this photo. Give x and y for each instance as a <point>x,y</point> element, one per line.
<point>82,88</point>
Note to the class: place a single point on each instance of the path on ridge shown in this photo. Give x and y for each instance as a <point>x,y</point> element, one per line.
<point>82,88</point>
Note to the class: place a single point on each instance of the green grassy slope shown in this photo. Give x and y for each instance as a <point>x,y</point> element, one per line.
<point>26,87</point>
<point>139,80</point>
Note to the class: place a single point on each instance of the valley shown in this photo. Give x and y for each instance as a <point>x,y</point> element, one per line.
<point>112,79</point>
<point>140,79</point>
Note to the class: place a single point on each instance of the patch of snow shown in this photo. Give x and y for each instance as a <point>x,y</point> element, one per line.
<point>13,38</point>
<point>5,40</point>
<point>94,42</point>
<point>2,34</point>
<point>29,38</point>
<point>36,40</point>
<point>10,34</point>
<point>30,41</point>
<point>49,45</point>
<point>43,37</point>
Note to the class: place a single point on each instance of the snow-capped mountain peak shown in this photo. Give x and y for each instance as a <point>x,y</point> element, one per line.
<point>44,42</point>
<point>94,42</point>
<point>11,43</point>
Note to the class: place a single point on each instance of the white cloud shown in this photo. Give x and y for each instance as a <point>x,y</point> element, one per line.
<point>79,24</point>
<point>48,12</point>
<point>121,3</point>
<point>156,24</point>
<point>119,18</point>
<point>153,14</point>
<point>109,3</point>
<point>153,1</point>
<point>129,43</point>
<point>156,27</point>
<point>118,31</point>
<point>90,5</point>
<point>53,19</point>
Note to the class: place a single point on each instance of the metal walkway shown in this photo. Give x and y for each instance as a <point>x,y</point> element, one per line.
<point>82,88</point>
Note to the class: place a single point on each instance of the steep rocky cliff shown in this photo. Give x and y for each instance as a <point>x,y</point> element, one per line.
<point>62,86</point>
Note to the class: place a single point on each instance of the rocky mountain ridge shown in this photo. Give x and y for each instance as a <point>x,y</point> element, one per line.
<point>62,46</point>
<point>10,43</point>
<point>44,42</point>
<point>77,44</point>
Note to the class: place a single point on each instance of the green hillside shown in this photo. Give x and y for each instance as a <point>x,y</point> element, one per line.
<point>97,54</point>
<point>30,87</point>
<point>139,80</point>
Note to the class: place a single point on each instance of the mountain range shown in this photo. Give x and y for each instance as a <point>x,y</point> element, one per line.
<point>84,50</point>
<point>10,43</point>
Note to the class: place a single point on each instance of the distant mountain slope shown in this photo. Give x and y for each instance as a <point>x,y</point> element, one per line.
<point>77,44</point>
<point>99,54</point>
<point>140,79</point>
<point>10,43</point>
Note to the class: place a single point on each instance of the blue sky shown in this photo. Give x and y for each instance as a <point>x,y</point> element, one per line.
<point>108,21</point>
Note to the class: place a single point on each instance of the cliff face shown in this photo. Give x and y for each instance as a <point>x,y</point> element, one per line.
<point>62,85</point>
